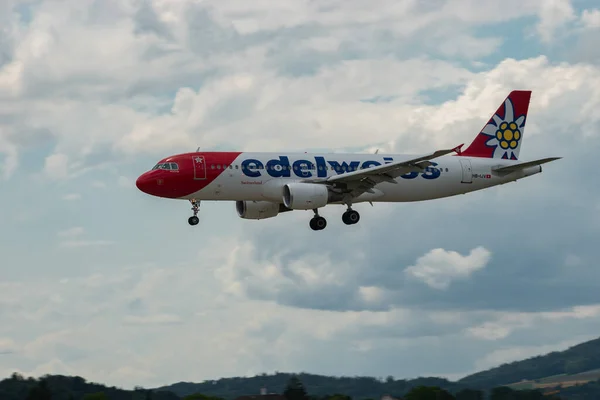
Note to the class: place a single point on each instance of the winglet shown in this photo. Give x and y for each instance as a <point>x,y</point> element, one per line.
<point>458,149</point>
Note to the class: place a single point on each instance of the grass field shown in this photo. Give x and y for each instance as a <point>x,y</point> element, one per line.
<point>562,380</point>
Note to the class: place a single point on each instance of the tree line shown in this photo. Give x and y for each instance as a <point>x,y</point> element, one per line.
<point>59,387</point>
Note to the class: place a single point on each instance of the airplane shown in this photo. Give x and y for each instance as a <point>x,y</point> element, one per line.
<point>263,185</point>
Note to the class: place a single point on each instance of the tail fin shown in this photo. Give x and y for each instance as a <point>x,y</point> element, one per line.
<point>502,136</point>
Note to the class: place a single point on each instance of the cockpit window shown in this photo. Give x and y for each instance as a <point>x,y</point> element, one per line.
<point>167,166</point>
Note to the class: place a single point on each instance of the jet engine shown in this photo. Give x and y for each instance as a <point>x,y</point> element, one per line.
<point>305,196</point>
<point>256,209</point>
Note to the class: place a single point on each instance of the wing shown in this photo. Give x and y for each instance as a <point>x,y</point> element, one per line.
<point>357,182</point>
<point>502,171</point>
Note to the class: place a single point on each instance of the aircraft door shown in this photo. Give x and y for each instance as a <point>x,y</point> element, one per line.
<point>199,167</point>
<point>467,171</point>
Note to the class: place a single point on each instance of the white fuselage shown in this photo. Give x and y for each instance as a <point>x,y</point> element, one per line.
<point>261,176</point>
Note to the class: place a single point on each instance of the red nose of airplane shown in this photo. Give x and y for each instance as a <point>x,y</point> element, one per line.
<point>144,183</point>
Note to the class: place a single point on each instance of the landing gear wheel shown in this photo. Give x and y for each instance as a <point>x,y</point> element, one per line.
<point>351,217</point>
<point>318,223</point>
<point>195,208</point>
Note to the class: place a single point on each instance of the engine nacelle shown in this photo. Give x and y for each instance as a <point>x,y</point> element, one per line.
<point>305,196</point>
<point>256,209</point>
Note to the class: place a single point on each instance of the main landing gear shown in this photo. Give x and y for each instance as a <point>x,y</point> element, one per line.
<point>318,223</point>
<point>193,220</point>
<point>350,217</point>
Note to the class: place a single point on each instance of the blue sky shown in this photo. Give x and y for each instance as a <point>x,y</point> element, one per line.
<point>100,280</point>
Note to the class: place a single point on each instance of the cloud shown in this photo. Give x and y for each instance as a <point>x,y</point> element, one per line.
<point>124,182</point>
<point>439,267</point>
<point>99,185</point>
<point>71,238</point>
<point>206,44</point>
<point>554,14</point>
<point>56,166</point>
<point>10,152</point>
<point>153,319</point>
<point>85,243</point>
<point>72,232</point>
<point>72,197</point>
<point>591,18</point>
<point>7,346</point>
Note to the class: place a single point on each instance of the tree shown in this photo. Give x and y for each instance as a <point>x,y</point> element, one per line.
<point>576,366</point>
<point>95,396</point>
<point>338,396</point>
<point>200,396</point>
<point>470,394</point>
<point>17,376</point>
<point>505,393</point>
<point>428,393</point>
<point>40,391</point>
<point>295,390</point>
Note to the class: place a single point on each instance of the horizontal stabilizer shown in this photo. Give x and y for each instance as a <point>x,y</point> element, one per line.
<point>516,167</point>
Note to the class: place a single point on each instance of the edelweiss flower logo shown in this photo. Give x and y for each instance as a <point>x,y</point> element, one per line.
<point>505,133</point>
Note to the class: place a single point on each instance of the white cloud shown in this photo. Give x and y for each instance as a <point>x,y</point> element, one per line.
<point>10,153</point>
<point>86,243</point>
<point>124,182</point>
<point>591,18</point>
<point>506,323</point>
<point>99,185</point>
<point>7,346</point>
<point>72,197</point>
<point>71,238</point>
<point>60,75</point>
<point>56,166</point>
<point>439,267</point>
<point>72,232</point>
<point>372,294</point>
<point>554,14</point>
<point>153,320</point>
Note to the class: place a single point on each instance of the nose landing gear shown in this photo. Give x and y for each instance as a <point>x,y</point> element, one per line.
<point>193,220</point>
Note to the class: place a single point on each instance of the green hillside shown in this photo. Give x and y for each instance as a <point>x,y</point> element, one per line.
<point>59,387</point>
<point>316,385</point>
<point>577,359</point>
